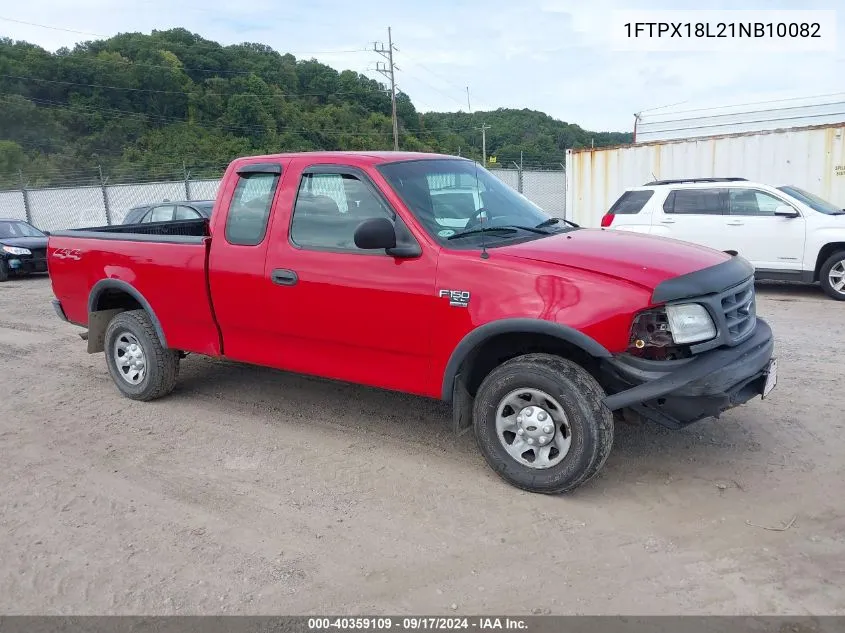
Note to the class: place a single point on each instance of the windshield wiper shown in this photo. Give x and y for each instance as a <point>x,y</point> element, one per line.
<point>505,229</point>
<point>552,221</point>
<point>532,229</point>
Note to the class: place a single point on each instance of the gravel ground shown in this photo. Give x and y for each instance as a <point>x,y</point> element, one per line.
<point>254,491</point>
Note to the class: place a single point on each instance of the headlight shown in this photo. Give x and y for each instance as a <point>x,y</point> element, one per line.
<point>664,333</point>
<point>14,250</point>
<point>690,323</point>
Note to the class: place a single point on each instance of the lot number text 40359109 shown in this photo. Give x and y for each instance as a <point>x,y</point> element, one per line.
<point>417,623</point>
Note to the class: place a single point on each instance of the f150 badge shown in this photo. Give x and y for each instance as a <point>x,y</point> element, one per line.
<point>457,298</point>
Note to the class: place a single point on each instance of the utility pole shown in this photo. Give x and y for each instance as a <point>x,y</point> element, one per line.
<point>389,72</point>
<point>469,107</point>
<point>484,127</point>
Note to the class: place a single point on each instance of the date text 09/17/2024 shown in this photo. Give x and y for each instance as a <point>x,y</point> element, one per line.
<point>416,623</point>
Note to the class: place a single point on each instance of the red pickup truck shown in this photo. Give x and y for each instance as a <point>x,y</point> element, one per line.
<point>425,274</point>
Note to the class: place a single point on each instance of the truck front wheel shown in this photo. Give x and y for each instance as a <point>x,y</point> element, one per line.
<point>541,425</point>
<point>140,366</point>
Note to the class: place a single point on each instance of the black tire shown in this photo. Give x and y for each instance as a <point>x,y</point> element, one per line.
<point>580,396</point>
<point>161,366</point>
<point>4,271</point>
<point>824,276</point>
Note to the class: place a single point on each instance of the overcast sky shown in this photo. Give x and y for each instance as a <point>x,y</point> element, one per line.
<point>549,55</point>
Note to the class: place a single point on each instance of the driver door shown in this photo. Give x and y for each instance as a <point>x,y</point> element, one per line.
<point>338,311</point>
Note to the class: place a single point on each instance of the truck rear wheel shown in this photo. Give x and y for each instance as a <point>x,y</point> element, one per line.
<point>541,425</point>
<point>832,276</point>
<point>140,366</point>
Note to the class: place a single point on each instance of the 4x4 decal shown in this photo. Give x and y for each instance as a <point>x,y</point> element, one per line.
<point>67,253</point>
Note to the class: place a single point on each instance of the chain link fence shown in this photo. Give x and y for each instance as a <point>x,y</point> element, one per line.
<point>95,197</point>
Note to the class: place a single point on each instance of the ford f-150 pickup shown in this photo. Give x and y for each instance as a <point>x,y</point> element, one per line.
<point>378,268</point>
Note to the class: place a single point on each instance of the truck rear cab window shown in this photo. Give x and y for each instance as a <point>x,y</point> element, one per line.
<point>631,202</point>
<point>249,210</point>
<point>696,202</point>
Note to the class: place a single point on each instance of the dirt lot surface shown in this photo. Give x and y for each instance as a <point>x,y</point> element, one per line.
<point>253,491</point>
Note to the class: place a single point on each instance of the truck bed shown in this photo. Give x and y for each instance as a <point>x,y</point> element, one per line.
<point>161,265</point>
<point>147,232</point>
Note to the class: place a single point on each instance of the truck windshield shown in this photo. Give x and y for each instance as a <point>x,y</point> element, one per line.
<point>454,199</point>
<point>813,201</point>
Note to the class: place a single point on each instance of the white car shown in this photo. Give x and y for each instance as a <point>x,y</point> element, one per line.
<point>786,233</point>
<point>453,207</point>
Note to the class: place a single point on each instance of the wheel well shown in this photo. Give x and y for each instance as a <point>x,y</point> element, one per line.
<point>115,299</point>
<point>109,297</point>
<point>501,348</point>
<point>826,251</point>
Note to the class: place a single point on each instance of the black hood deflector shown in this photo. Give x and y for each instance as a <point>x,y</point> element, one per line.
<point>705,281</point>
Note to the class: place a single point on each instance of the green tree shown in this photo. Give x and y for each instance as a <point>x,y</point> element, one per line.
<point>141,104</point>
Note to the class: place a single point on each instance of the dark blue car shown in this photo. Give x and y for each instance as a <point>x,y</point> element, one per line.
<point>169,210</point>
<point>23,249</point>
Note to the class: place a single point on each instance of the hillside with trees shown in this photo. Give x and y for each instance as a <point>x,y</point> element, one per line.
<point>140,104</point>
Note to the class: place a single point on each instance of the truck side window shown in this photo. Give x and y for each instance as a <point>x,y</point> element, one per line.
<point>246,223</point>
<point>328,209</point>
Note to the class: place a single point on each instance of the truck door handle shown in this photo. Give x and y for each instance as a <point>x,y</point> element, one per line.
<point>667,221</point>
<point>283,277</point>
<point>735,223</point>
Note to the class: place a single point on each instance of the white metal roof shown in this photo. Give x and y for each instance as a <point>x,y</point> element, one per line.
<point>717,122</point>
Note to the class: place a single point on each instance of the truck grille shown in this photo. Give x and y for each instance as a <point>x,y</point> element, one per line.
<point>739,309</point>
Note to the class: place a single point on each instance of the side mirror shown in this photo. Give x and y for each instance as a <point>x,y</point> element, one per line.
<point>375,234</point>
<point>47,233</point>
<point>785,211</point>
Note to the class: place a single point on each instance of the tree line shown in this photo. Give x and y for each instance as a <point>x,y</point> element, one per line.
<point>134,103</point>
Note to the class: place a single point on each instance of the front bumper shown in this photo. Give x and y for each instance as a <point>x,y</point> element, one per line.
<point>678,393</point>
<point>26,264</point>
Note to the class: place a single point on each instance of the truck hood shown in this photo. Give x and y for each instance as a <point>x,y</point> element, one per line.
<point>645,260</point>
<point>24,242</point>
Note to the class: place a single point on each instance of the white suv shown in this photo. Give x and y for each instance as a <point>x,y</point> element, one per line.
<point>785,232</point>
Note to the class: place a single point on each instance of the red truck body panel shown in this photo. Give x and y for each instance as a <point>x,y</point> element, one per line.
<point>171,277</point>
<point>361,317</point>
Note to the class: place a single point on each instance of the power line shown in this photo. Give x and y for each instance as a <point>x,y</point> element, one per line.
<point>215,71</point>
<point>435,88</point>
<point>169,119</point>
<point>740,105</point>
<point>181,92</point>
<point>87,109</point>
<point>52,28</point>
<point>441,77</point>
<point>59,28</point>
<point>219,14</point>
